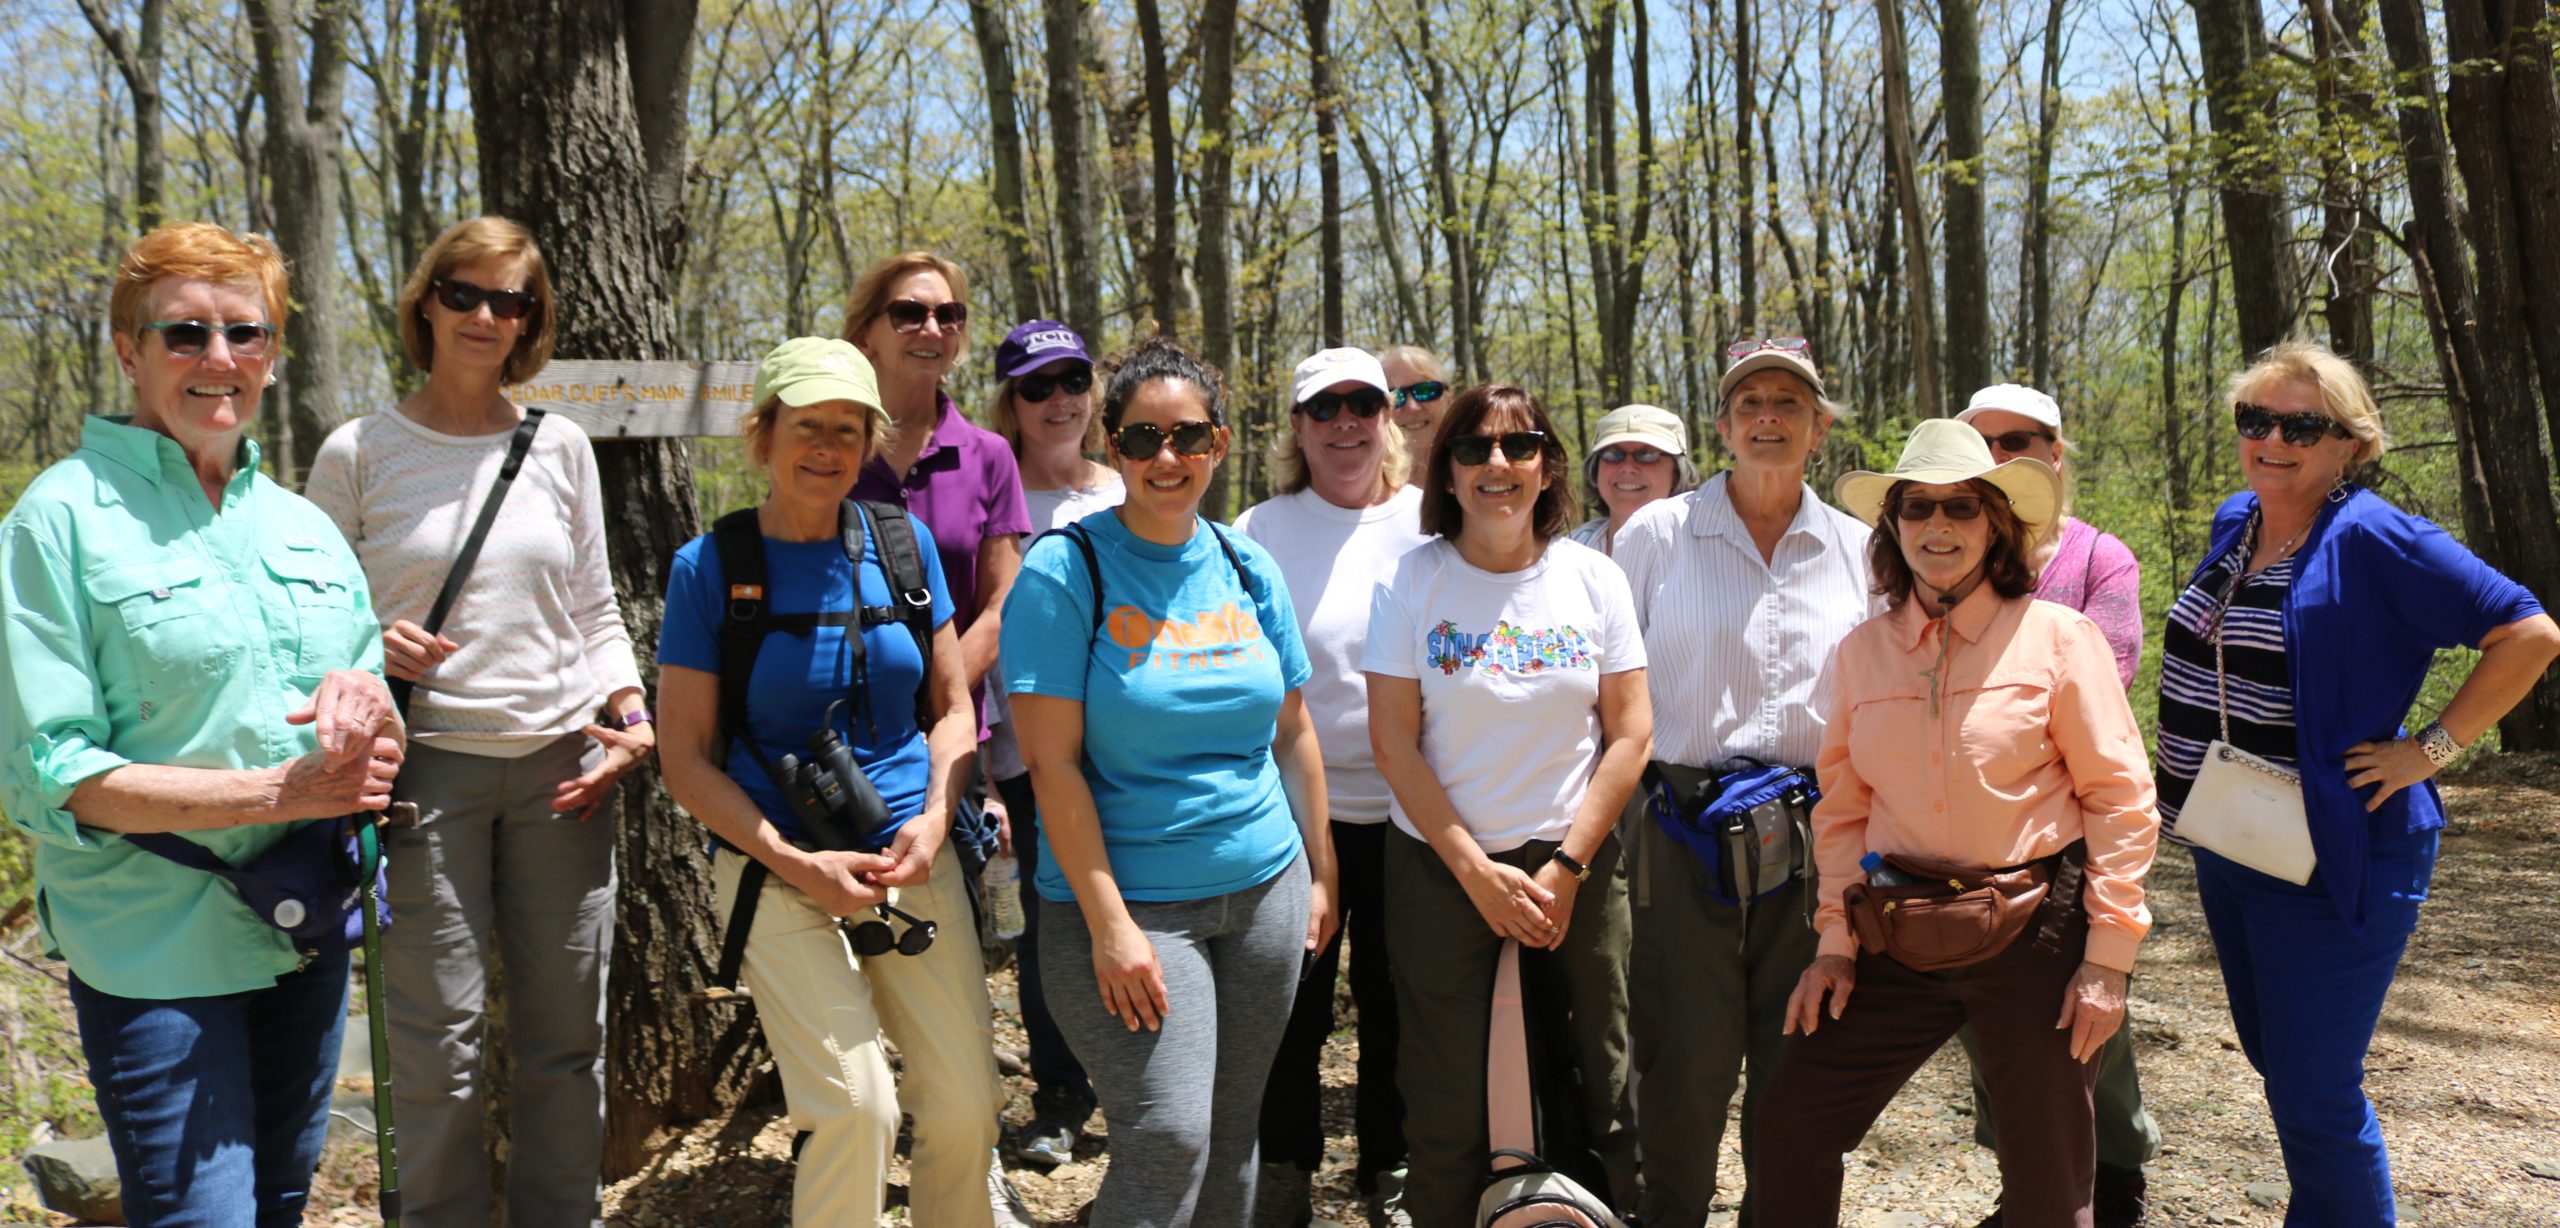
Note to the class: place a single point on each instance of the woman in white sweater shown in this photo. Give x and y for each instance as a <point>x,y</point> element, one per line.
<point>527,708</point>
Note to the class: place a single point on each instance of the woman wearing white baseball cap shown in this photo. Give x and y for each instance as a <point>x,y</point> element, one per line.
<point>2094,573</point>
<point>1639,453</point>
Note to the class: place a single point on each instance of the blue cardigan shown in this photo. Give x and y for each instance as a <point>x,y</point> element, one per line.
<point>2376,591</point>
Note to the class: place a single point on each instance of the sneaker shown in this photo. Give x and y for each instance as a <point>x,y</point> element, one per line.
<point>1004,1199</point>
<point>1049,1139</point>
<point>1385,1203</point>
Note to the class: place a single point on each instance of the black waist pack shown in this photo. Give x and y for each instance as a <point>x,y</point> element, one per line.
<point>308,884</point>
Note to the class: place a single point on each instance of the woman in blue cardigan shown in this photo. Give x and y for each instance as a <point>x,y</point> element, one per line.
<point>2311,624</point>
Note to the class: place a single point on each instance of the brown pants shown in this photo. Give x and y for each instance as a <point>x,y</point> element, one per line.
<point>1830,1086</point>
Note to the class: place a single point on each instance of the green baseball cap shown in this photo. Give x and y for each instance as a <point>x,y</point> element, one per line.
<point>806,370</point>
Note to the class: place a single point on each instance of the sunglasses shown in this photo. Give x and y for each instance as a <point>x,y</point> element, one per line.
<point>1033,389</point>
<point>873,938</point>
<point>1421,393</point>
<point>1614,455</point>
<point>1754,345</point>
<point>907,315</point>
<point>2016,441</point>
<point>1327,406</point>
<point>463,297</point>
<point>2300,430</point>
<point>1957,507</point>
<point>1143,440</point>
<point>1519,447</point>
<point>188,338</point>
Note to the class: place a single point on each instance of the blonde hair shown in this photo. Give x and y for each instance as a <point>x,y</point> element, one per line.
<point>470,242</point>
<point>1288,460</point>
<point>757,429</point>
<point>196,251</point>
<point>1416,357</point>
<point>2343,392</point>
<point>870,294</point>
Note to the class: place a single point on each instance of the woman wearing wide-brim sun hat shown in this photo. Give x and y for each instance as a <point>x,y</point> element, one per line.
<point>1981,736</point>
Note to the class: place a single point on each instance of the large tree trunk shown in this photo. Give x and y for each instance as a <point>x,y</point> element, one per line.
<point>138,60</point>
<point>302,179</point>
<point>2255,224</point>
<point>2035,255</point>
<point>1618,221</point>
<point>579,111</point>
<point>1327,101</point>
<point>1214,265</point>
<point>1968,283</point>
<point>1013,224</point>
<point>1163,277</point>
<point>1902,158</point>
<point>1079,229</point>
<point>2346,115</point>
<point>1746,232</point>
<point>2519,33</point>
<point>1455,232</point>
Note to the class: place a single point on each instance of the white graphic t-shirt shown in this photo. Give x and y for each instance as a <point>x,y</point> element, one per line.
<point>1510,668</point>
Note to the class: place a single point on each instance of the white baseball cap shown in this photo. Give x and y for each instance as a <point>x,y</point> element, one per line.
<point>1325,368</point>
<point>2015,399</point>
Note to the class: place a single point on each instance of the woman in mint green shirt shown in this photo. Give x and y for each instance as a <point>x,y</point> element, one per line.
<point>189,648</point>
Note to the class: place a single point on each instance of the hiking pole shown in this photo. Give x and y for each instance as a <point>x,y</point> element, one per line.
<point>386,1150</point>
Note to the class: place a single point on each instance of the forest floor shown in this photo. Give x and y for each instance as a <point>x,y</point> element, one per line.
<point>2465,1075</point>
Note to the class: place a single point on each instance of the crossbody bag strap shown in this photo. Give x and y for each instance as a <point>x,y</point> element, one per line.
<point>517,445</point>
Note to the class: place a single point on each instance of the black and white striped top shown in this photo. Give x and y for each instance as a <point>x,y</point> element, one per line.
<point>2259,682</point>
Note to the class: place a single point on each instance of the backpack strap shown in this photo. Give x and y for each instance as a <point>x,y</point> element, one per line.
<point>910,592</point>
<point>517,445</point>
<point>739,541</point>
<point>1093,563</point>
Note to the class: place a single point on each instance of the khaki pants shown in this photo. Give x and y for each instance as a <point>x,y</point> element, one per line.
<point>823,1010</point>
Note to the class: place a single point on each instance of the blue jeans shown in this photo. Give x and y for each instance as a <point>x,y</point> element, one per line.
<point>2306,995</point>
<point>216,1107</point>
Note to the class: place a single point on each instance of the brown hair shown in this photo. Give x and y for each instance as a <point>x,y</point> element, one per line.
<point>196,251</point>
<point>470,242</point>
<point>870,294</point>
<point>2007,563</point>
<point>2343,393</point>
<point>1442,515</point>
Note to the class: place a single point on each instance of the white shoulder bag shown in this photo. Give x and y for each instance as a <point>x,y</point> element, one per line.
<point>2242,806</point>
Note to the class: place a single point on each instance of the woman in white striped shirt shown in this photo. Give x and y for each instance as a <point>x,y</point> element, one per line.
<point>1743,587</point>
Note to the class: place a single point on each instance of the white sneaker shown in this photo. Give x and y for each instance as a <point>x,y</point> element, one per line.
<point>1006,1201</point>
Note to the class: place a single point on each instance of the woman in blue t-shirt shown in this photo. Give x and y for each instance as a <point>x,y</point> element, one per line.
<point>837,657</point>
<point>1182,802</point>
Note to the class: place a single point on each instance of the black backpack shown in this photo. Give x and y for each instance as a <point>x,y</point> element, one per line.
<point>746,618</point>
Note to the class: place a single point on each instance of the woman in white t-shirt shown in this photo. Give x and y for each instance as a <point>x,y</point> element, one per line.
<point>1508,712</point>
<point>527,710</point>
<point>1343,515</point>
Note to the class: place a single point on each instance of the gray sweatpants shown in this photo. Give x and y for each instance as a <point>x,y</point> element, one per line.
<point>488,870</point>
<point>1184,1104</point>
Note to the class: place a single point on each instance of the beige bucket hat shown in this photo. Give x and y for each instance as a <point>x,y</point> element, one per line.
<point>1943,451</point>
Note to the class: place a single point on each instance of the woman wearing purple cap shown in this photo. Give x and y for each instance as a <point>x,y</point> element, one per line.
<point>1043,407</point>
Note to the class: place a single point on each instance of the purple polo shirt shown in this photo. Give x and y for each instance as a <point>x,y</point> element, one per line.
<point>966,488</point>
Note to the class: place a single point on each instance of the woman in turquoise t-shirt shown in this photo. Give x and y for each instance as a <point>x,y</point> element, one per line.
<point>1182,802</point>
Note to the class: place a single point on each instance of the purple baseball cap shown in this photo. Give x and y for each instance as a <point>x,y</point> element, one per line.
<point>1035,344</point>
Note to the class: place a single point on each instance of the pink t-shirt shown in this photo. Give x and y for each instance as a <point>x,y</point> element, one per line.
<point>2096,574</point>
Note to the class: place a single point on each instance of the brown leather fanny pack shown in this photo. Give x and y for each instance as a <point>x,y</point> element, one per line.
<point>1950,916</point>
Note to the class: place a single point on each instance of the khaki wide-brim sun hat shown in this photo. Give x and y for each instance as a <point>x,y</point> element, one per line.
<point>1943,452</point>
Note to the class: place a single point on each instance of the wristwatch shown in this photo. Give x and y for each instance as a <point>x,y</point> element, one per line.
<point>638,716</point>
<point>1573,867</point>
<point>2438,742</point>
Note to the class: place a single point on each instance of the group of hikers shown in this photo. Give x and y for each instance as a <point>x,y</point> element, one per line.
<point>1770,792</point>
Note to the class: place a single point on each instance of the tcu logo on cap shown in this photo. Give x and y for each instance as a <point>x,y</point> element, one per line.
<point>1054,339</point>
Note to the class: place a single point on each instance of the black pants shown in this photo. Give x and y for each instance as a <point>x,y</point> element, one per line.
<point>1054,1070</point>
<point>1293,1103</point>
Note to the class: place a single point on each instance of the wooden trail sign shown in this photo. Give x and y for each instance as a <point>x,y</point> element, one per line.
<point>628,399</point>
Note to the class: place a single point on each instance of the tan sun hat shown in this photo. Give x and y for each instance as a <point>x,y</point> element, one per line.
<point>1943,452</point>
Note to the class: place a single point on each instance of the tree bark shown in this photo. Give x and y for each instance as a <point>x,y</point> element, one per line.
<point>1070,156</point>
<point>2255,222</point>
<point>2035,257</point>
<point>1968,282</point>
<point>582,151</point>
<point>1902,159</point>
<point>2346,115</point>
<point>1004,131</point>
<point>138,62</point>
<point>1213,266</point>
<point>1455,232</point>
<point>1163,278</point>
<point>1746,231</point>
<point>2519,33</point>
<point>1327,101</point>
<point>302,152</point>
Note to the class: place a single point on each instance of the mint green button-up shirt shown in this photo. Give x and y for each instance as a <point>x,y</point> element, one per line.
<point>142,627</point>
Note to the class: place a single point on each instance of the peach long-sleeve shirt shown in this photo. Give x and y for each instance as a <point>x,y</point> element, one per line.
<point>2032,746</point>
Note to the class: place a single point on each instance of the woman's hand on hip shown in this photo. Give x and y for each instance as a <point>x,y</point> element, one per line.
<point>2093,1008</point>
<point>1562,889</point>
<point>1510,901</point>
<point>840,883</point>
<point>1829,975</point>
<point>2391,766</point>
<point>1131,981</point>
<point>624,749</point>
<point>408,652</point>
<point>911,853</point>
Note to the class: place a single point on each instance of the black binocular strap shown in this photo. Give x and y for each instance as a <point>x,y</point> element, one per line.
<point>517,445</point>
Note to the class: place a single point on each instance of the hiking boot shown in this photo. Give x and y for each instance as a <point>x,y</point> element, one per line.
<point>1049,1139</point>
<point>1284,1197</point>
<point>1004,1199</point>
<point>2123,1198</point>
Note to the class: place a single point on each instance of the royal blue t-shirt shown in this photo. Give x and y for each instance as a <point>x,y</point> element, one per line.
<point>797,676</point>
<point>1181,690</point>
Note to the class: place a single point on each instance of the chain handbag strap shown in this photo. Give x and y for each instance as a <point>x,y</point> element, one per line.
<point>2221,677</point>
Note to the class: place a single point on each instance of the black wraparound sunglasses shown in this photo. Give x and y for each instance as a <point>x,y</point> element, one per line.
<point>1328,405</point>
<point>1033,389</point>
<point>2300,430</point>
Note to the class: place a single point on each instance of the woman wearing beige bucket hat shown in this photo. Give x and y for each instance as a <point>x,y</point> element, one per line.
<point>1639,453</point>
<point>1987,817</point>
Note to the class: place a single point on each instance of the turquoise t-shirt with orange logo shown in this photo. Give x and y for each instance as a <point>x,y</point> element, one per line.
<point>1181,689</point>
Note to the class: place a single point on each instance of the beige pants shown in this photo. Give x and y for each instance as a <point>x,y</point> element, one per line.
<point>823,1010</point>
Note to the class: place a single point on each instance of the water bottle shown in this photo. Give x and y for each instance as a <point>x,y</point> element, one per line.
<point>1001,882</point>
<point>1880,874</point>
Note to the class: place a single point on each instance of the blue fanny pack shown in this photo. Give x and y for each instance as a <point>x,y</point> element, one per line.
<point>1750,825</point>
<point>309,884</point>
